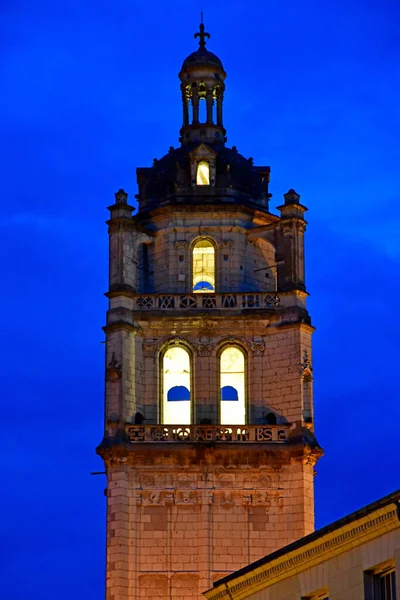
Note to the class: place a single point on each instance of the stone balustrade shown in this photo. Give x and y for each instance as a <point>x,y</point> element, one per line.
<point>207,433</point>
<point>244,300</point>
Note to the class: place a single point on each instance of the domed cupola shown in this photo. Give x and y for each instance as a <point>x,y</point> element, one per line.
<point>202,76</point>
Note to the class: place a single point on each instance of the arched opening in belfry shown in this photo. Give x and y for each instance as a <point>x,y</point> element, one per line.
<point>232,384</point>
<point>202,110</point>
<point>203,173</point>
<point>203,256</point>
<point>176,377</point>
<point>307,396</point>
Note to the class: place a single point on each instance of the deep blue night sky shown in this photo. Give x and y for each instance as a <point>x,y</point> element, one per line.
<point>89,92</point>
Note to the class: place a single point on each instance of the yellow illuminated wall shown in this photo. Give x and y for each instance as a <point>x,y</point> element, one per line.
<point>204,267</point>
<point>233,400</point>
<point>176,386</point>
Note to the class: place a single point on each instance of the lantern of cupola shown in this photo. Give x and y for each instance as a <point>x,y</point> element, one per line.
<point>202,84</point>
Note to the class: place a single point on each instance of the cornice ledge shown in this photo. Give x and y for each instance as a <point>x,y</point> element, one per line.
<point>120,290</point>
<point>118,325</point>
<point>316,552</point>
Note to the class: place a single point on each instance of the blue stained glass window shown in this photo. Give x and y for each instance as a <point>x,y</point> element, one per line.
<point>229,393</point>
<point>203,285</point>
<point>178,393</point>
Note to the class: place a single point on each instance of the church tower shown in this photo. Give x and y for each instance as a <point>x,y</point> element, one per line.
<point>208,447</point>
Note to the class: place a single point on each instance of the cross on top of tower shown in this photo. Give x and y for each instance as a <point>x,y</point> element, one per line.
<point>202,34</point>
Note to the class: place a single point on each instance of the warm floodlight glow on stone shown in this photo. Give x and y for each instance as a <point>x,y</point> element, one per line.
<point>203,173</point>
<point>204,267</point>
<point>176,386</point>
<point>233,411</point>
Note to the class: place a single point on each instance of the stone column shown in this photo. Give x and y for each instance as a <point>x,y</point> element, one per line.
<point>210,101</point>
<point>185,104</point>
<point>120,327</point>
<point>220,98</point>
<point>118,561</point>
<point>195,102</point>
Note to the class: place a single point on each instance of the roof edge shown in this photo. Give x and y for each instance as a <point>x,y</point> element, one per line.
<point>373,518</point>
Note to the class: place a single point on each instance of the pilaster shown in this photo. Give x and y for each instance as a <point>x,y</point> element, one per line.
<point>291,272</point>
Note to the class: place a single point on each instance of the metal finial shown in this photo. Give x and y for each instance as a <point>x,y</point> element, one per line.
<point>201,15</point>
<point>202,35</point>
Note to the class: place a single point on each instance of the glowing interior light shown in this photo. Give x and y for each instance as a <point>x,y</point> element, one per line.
<point>203,173</point>
<point>176,386</point>
<point>233,407</point>
<point>204,267</point>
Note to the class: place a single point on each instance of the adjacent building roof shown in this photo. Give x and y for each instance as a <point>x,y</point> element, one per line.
<point>356,528</point>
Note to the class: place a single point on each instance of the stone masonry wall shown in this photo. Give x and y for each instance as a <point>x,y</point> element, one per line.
<point>181,518</point>
<point>242,263</point>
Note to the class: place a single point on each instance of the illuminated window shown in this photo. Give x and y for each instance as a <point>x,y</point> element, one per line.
<point>176,386</point>
<point>203,173</point>
<point>233,405</point>
<point>203,267</point>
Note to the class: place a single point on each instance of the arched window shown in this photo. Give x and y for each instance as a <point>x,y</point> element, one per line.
<point>233,395</point>
<point>204,266</point>
<point>203,173</point>
<point>307,397</point>
<point>176,407</point>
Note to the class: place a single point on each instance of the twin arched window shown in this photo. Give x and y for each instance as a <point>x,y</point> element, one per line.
<point>176,385</point>
<point>232,384</point>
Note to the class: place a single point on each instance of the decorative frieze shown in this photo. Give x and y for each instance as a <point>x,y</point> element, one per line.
<point>205,301</point>
<point>207,433</point>
<point>225,498</point>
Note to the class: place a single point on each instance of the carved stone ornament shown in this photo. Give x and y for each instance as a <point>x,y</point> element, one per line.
<point>306,366</point>
<point>225,244</point>
<point>121,197</point>
<point>225,481</point>
<point>181,244</point>
<point>186,497</point>
<point>227,500</point>
<point>205,346</point>
<point>150,346</point>
<point>261,499</point>
<point>147,480</point>
<point>153,498</point>
<point>186,481</point>
<point>258,345</point>
<point>169,498</point>
<point>114,370</point>
<point>264,481</point>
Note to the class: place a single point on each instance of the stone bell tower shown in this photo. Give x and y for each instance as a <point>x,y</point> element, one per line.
<point>208,446</point>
